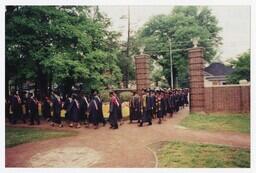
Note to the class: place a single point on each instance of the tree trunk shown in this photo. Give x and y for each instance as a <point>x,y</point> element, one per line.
<point>42,80</point>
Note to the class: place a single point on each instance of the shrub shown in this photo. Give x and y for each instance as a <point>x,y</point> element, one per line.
<point>125,96</point>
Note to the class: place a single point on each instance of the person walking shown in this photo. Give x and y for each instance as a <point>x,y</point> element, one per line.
<point>57,106</point>
<point>33,109</point>
<point>113,111</point>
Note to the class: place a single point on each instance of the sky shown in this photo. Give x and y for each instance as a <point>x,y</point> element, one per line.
<point>234,20</point>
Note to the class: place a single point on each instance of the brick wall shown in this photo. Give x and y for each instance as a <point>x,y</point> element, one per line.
<point>228,98</point>
<point>142,72</point>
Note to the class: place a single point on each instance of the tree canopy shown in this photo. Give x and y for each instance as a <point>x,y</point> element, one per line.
<point>60,44</point>
<point>241,68</point>
<point>180,26</point>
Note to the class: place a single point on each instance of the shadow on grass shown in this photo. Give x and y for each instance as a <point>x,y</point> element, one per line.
<point>16,135</point>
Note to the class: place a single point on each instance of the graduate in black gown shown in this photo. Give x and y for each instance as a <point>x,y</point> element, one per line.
<point>16,107</point>
<point>33,109</point>
<point>153,95</point>
<point>159,107</point>
<point>171,103</point>
<point>66,107</point>
<point>94,116</point>
<point>135,107</point>
<point>46,108</point>
<point>74,111</point>
<point>147,105</point>
<point>119,110</point>
<point>100,110</point>
<point>84,105</point>
<point>113,111</point>
<point>57,106</point>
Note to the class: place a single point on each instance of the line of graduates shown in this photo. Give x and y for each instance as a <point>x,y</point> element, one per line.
<point>156,103</point>
<point>14,104</point>
<point>79,109</point>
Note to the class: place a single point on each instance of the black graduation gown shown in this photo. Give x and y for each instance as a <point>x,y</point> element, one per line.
<point>83,108</point>
<point>93,109</point>
<point>113,112</point>
<point>33,109</point>
<point>100,110</point>
<point>176,98</point>
<point>66,106</point>
<point>119,109</point>
<point>147,109</point>
<point>165,105</point>
<point>74,110</point>
<point>135,110</point>
<point>171,103</point>
<point>56,110</point>
<point>16,107</point>
<point>154,104</point>
<point>46,109</point>
<point>159,107</point>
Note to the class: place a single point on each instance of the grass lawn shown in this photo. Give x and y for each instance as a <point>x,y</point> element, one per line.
<point>15,136</point>
<point>191,155</point>
<point>215,122</point>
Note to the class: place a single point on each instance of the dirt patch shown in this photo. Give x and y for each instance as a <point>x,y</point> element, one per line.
<point>65,157</point>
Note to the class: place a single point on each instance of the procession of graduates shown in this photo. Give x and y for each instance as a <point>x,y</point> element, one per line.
<point>156,103</point>
<point>81,109</point>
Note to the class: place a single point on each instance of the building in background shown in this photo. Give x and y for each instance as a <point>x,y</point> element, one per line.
<point>216,74</point>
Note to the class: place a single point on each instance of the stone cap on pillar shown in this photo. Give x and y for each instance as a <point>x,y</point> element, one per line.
<point>195,52</point>
<point>195,49</point>
<point>143,55</point>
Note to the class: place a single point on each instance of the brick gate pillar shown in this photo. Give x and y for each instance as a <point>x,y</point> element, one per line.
<point>196,79</point>
<point>142,72</point>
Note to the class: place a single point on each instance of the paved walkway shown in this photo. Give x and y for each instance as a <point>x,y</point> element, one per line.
<point>126,147</point>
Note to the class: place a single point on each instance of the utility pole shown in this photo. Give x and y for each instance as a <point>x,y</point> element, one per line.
<point>170,42</point>
<point>128,48</point>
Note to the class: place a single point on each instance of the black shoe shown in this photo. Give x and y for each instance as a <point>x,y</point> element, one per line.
<point>31,124</point>
<point>140,125</point>
<point>150,123</point>
<point>115,127</point>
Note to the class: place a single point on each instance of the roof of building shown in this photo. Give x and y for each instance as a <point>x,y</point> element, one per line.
<point>217,69</point>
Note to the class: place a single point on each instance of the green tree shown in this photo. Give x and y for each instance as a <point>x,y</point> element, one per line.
<point>181,25</point>
<point>60,44</point>
<point>241,68</point>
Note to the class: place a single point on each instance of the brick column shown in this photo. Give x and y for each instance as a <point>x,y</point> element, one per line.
<point>196,79</point>
<point>142,72</point>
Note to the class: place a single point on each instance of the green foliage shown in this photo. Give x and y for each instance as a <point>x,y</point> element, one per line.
<point>65,43</point>
<point>241,68</point>
<point>181,25</point>
<point>104,95</point>
<point>215,122</point>
<point>127,64</point>
<point>16,136</point>
<point>192,155</point>
<point>125,96</point>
